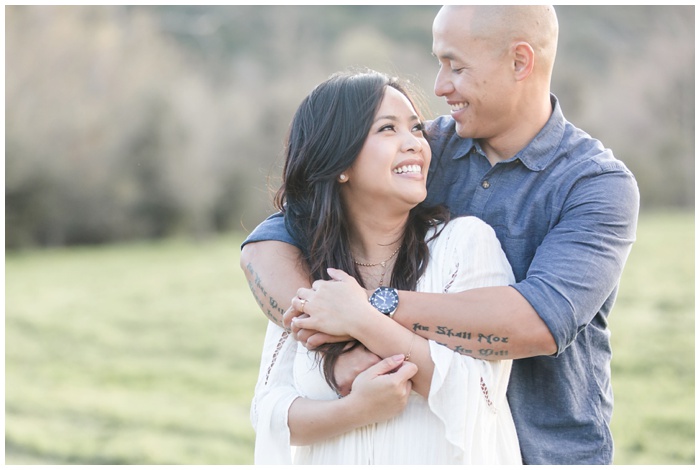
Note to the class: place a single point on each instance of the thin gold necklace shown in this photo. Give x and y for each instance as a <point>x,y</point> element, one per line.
<point>381,263</point>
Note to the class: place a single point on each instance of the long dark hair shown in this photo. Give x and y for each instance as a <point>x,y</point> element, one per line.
<point>325,137</point>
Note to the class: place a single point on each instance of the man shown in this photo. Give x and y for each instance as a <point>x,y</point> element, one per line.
<point>564,209</point>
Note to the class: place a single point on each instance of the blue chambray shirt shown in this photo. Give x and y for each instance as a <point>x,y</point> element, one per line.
<point>565,211</point>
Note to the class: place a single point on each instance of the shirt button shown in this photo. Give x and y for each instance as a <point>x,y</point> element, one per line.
<point>485,184</point>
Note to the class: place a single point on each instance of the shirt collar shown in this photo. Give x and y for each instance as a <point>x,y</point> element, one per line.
<point>541,150</point>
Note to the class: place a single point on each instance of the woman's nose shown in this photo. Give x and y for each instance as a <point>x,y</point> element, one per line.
<point>412,143</point>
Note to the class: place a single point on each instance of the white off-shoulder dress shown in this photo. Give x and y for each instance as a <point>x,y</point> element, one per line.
<point>466,418</point>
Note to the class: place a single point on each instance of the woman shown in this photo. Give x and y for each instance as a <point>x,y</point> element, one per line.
<point>354,178</point>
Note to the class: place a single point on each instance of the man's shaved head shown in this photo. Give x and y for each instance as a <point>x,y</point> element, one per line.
<point>501,26</point>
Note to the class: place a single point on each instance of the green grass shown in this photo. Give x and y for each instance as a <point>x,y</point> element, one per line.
<point>130,354</point>
<point>148,353</point>
<point>653,335</point>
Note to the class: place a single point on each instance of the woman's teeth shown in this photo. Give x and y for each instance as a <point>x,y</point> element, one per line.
<point>408,169</point>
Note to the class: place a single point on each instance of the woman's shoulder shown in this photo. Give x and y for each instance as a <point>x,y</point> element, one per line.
<point>461,234</point>
<point>465,254</point>
<point>464,225</point>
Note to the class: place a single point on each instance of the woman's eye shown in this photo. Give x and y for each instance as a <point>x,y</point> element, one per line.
<point>388,127</point>
<point>418,128</point>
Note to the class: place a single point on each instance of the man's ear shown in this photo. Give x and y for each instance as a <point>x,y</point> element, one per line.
<point>523,60</point>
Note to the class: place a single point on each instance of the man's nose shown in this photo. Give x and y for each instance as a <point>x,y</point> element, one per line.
<point>443,86</point>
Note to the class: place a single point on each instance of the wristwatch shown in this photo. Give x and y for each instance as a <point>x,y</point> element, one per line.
<point>386,300</point>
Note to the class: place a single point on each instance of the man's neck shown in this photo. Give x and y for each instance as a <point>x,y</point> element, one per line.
<point>507,144</point>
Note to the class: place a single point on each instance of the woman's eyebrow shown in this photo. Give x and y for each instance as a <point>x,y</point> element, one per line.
<point>394,118</point>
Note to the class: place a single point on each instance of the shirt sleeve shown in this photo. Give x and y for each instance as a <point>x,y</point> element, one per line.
<point>274,394</point>
<point>469,395</point>
<point>575,271</point>
<point>272,228</point>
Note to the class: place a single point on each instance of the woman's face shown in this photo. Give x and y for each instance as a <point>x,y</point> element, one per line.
<point>392,166</point>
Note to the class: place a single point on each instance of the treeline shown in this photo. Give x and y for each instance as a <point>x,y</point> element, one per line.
<point>139,122</point>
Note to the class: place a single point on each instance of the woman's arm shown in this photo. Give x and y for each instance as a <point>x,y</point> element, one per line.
<point>378,394</point>
<point>281,417</point>
<point>379,333</point>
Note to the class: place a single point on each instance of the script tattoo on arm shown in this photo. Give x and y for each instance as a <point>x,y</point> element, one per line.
<point>477,345</point>
<point>266,302</point>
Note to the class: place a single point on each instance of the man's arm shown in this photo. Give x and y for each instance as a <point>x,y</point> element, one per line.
<point>501,323</point>
<point>480,316</point>
<point>275,272</point>
<point>574,271</point>
<point>490,323</point>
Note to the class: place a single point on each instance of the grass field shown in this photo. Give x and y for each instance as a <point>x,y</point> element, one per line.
<point>147,353</point>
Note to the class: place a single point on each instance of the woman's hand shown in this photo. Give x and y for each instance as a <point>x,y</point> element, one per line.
<point>352,363</point>
<point>378,394</point>
<point>381,392</point>
<point>310,339</point>
<point>336,307</point>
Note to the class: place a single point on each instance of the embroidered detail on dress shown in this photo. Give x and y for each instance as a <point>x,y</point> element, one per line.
<point>452,280</point>
<point>485,391</point>
<point>280,343</point>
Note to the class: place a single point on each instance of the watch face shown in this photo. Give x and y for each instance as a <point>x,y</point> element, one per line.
<point>385,299</point>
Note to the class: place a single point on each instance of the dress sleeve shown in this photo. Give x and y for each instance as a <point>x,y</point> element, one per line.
<point>274,394</point>
<point>469,395</point>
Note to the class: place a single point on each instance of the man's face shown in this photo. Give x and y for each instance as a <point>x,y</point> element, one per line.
<point>473,76</point>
